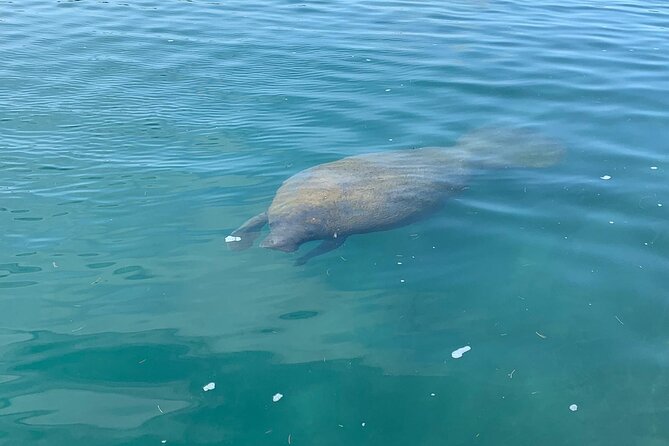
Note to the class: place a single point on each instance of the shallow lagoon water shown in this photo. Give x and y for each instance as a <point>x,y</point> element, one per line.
<point>136,136</point>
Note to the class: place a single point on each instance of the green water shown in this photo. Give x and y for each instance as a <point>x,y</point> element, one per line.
<point>136,136</point>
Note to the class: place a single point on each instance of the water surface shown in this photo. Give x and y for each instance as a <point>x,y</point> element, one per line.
<point>135,136</point>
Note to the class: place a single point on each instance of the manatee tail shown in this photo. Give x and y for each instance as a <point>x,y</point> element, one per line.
<point>509,147</point>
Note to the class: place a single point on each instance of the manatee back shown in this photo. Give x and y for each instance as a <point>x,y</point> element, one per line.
<point>369,192</point>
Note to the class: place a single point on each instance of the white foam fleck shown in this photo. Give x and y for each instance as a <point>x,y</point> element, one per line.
<point>208,387</point>
<point>232,238</point>
<point>605,177</point>
<point>277,397</point>
<point>653,167</point>
<point>461,351</point>
<point>573,407</point>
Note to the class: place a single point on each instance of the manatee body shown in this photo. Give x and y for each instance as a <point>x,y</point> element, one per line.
<point>379,191</point>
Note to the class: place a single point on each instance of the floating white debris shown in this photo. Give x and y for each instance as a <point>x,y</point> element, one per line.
<point>659,205</point>
<point>433,394</point>
<point>461,351</point>
<point>573,407</point>
<point>363,424</point>
<point>208,387</point>
<point>387,89</point>
<point>401,280</point>
<point>277,397</point>
<point>611,222</point>
<point>605,177</point>
<point>163,441</point>
<point>232,238</point>
<point>653,167</point>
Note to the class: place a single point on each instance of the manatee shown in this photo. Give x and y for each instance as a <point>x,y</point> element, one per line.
<point>384,190</point>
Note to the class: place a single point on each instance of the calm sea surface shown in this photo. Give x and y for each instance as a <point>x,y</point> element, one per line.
<point>135,136</point>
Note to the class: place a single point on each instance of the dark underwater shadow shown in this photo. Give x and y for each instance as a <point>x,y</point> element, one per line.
<point>148,386</point>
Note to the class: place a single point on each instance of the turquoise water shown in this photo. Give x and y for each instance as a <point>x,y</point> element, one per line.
<point>135,136</point>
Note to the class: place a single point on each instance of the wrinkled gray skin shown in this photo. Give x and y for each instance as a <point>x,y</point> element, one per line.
<point>379,191</point>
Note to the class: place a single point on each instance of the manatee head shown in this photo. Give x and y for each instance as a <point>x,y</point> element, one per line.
<point>288,232</point>
<point>279,241</point>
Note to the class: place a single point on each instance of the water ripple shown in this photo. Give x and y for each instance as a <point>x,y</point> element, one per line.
<point>136,136</point>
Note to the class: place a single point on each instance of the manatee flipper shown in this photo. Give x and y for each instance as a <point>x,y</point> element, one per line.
<point>243,237</point>
<point>325,246</point>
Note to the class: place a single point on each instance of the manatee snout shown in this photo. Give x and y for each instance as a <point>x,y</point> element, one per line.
<point>279,243</point>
